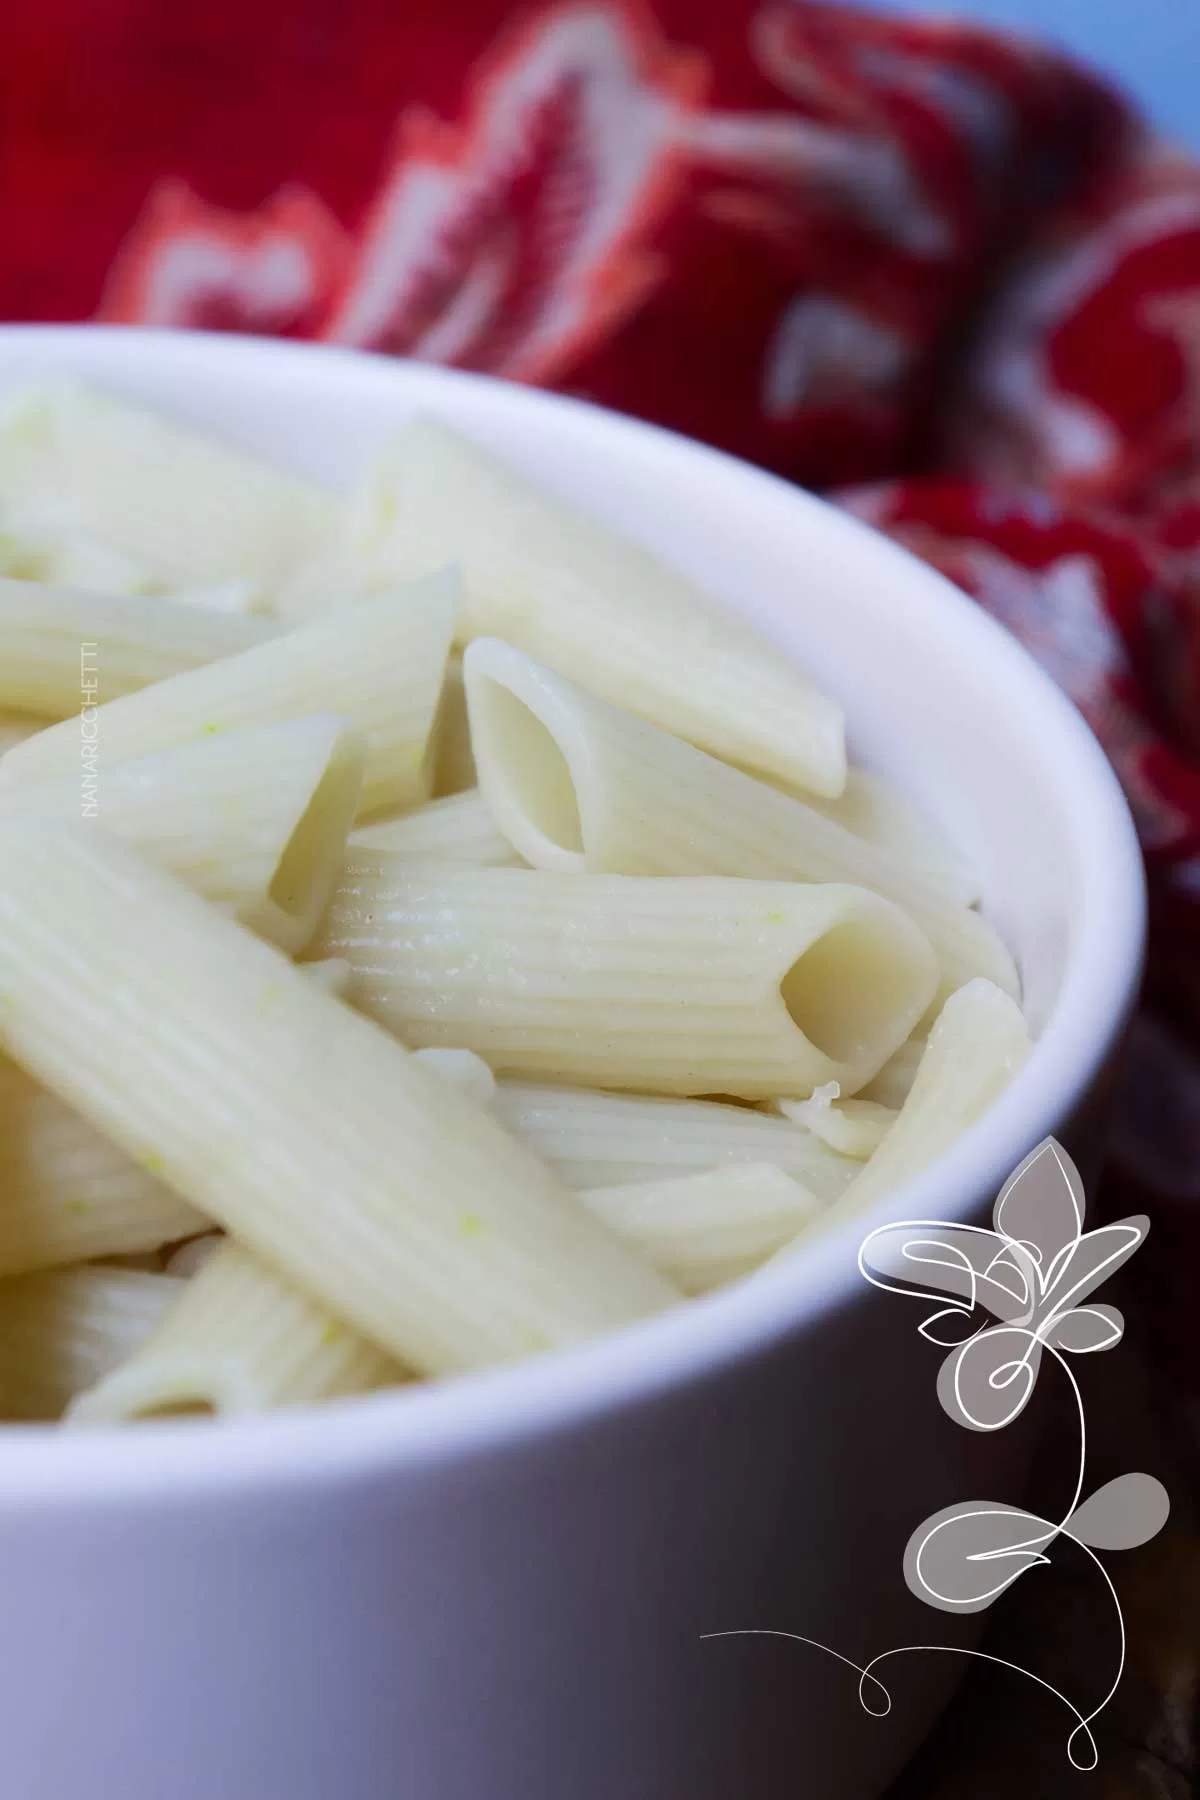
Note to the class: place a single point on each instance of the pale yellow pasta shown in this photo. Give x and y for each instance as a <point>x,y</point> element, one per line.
<point>594,606</point>
<point>458,829</point>
<point>596,1139</point>
<point>64,653</point>
<point>64,1330</point>
<point>575,783</point>
<point>299,1126</point>
<point>976,1047</point>
<point>333,973</point>
<point>891,1086</point>
<point>618,982</point>
<point>854,1128</point>
<point>67,557</point>
<point>689,987</point>
<point>468,1072</point>
<point>872,809</point>
<point>378,665</point>
<point>15,727</point>
<point>706,1229</point>
<point>254,819</point>
<point>67,1193</point>
<point>186,507</point>
<point>235,596</point>
<point>238,1339</point>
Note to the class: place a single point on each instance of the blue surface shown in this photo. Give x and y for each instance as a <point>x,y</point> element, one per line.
<point>1152,47</point>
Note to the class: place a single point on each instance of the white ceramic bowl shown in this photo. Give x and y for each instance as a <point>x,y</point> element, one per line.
<point>498,1589</point>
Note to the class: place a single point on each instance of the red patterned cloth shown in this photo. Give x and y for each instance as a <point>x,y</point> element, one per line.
<point>915,256</point>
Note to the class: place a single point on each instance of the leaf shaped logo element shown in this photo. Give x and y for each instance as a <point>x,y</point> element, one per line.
<point>963,1557</point>
<point>1122,1514</point>
<point>1042,1204</point>
<point>1085,1329</point>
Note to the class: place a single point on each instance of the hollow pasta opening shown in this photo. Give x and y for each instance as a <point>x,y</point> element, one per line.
<point>305,872</point>
<point>536,775</point>
<point>847,991</point>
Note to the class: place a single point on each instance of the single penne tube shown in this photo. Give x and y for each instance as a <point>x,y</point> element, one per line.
<point>595,1139</point>
<point>453,757</point>
<point>706,1229</point>
<point>708,986</point>
<point>64,652</point>
<point>67,1194</point>
<point>238,1339</point>
<point>854,1128</point>
<point>577,784</point>
<point>891,1086</point>
<point>64,1330</point>
<point>873,809</point>
<point>976,1047</point>
<point>594,606</point>
<point>458,829</point>
<point>255,820</point>
<point>277,1112</point>
<point>378,665</point>
<point>188,507</point>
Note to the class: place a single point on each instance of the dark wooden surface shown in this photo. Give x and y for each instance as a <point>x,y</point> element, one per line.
<point>1002,1739</point>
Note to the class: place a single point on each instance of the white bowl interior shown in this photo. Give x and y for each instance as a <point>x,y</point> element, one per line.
<point>939,699</point>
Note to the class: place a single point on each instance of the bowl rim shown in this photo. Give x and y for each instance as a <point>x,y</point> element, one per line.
<point>434,1423</point>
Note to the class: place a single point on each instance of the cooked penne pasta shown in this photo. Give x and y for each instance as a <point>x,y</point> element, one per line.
<point>378,665</point>
<point>255,819</point>
<point>187,507</point>
<point>468,1072</point>
<point>706,1229</point>
<point>851,1127</point>
<point>278,1112</point>
<point>233,596</point>
<point>334,974</point>
<point>63,651</point>
<point>593,1139</point>
<point>238,1339</point>
<point>891,1086</point>
<point>976,1047</point>
<point>594,606</point>
<point>66,1193</point>
<point>872,809</point>
<point>458,829</point>
<point>15,727</point>
<point>62,1331</point>
<point>575,784</point>
<point>33,549</point>
<point>453,757</point>
<point>688,987</point>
